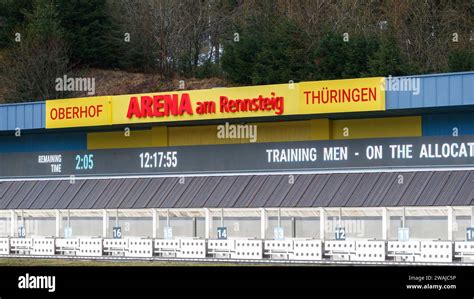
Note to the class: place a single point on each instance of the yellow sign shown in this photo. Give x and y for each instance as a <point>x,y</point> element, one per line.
<point>334,96</point>
<point>217,103</point>
<point>220,103</point>
<point>83,112</point>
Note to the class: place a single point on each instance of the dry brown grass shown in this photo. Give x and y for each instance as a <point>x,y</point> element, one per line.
<point>116,82</point>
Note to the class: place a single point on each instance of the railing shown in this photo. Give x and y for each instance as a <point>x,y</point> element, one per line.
<point>245,249</point>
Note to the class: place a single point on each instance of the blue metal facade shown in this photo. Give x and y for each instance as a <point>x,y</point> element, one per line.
<point>43,142</point>
<point>447,124</point>
<point>438,90</point>
<point>24,116</point>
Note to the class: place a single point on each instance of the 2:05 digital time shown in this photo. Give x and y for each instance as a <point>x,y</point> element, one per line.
<point>159,160</point>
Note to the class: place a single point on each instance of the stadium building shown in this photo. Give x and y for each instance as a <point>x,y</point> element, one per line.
<point>366,170</point>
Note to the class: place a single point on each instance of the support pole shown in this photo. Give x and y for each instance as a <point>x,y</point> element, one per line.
<point>263,223</point>
<point>155,223</point>
<point>194,227</point>
<point>116,218</point>
<point>322,224</point>
<point>168,217</point>
<point>104,223</point>
<point>385,224</point>
<point>58,223</point>
<point>340,217</point>
<point>472,216</point>
<point>23,220</point>
<point>222,217</point>
<point>403,217</point>
<point>279,218</point>
<point>68,218</point>
<point>293,227</point>
<point>450,223</point>
<point>208,223</point>
<point>12,223</point>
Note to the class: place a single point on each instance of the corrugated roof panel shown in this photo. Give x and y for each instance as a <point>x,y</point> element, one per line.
<point>315,187</point>
<point>345,190</point>
<point>83,193</point>
<point>69,194</point>
<point>134,194</point>
<point>325,196</point>
<point>280,193</point>
<point>376,196</point>
<point>12,190</point>
<point>362,189</point>
<point>266,191</point>
<point>248,194</point>
<point>122,193</point>
<point>451,188</point>
<point>162,193</point>
<point>172,197</point>
<point>231,196</point>
<point>4,188</point>
<point>190,192</point>
<point>95,194</point>
<point>54,198</point>
<point>297,189</point>
<point>465,196</point>
<point>203,195</point>
<point>221,189</point>
<point>109,193</point>
<point>19,196</point>
<point>417,185</point>
<point>44,195</point>
<point>150,190</point>
<point>308,190</point>
<point>397,189</point>
<point>434,186</point>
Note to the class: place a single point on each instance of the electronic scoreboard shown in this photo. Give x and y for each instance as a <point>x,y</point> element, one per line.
<point>284,156</point>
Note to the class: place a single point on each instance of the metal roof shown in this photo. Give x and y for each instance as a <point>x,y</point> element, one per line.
<point>374,189</point>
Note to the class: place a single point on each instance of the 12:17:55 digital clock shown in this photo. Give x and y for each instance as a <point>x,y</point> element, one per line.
<point>159,159</point>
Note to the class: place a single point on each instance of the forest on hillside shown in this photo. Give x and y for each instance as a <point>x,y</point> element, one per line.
<point>240,41</point>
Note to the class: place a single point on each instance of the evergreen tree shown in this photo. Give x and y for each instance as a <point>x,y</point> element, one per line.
<point>267,52</point>
<point>12,17</point>
<point>240,56</point>
<point>387,59</point>
<point>34,64</point>
<point>461,60</point>
<point>89,32</point>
